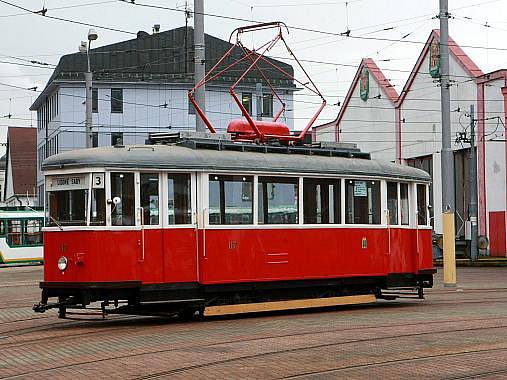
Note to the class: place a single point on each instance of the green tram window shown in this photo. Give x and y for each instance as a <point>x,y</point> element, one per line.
<point>24,232</point>
<point>14,232</point>
<point>2,227</point>
<point>32,232</point>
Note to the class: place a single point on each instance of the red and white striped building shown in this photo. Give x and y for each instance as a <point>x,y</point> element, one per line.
<point>406,128</point>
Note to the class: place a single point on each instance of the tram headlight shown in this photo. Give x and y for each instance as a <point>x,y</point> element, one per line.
<point>62,263</point>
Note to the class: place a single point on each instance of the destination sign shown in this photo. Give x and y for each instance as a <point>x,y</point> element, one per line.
<point>67,182</point>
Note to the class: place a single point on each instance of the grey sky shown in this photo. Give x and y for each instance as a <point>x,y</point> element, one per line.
<point>30,36</point>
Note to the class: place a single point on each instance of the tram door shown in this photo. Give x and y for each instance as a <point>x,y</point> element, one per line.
<point>179,240</point>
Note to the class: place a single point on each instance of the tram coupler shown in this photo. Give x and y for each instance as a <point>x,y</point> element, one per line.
<point>42,306</point>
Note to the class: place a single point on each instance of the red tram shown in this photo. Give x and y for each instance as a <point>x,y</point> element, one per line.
<point>230,219</point>
<point>202,223</point>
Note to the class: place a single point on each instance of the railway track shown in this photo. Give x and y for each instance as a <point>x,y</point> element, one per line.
<point>398,361</point>
<point>258,355</point>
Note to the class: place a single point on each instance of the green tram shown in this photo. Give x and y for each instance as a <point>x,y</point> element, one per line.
<point>21,235</point>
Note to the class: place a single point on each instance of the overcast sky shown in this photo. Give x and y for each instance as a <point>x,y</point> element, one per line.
<point>33,37</point>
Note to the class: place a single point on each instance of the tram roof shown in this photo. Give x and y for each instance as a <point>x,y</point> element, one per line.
<point>187,158</point>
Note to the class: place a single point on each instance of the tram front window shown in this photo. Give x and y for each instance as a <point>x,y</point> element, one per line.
<point>122,187</point>
<point>67,207</point>
<point>149,198</point>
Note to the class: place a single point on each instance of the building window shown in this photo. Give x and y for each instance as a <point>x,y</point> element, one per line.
<point>116,100</point>
<point>95,139</point>
<point>95,100</point>
<point>116,138</point>
<point>267,105</point>
<point>392,202</point>
<point>149,198</point>
<point>227,201</point>
<point>322,201</point>
<point>122,187</point>
<point>191,108</point>
<point>178,200</point>
<point>246,100</point>
<point>278,200</point>
<point>362,200</point>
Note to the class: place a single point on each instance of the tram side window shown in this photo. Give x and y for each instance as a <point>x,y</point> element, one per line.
<point>422,208</point>
<point>33,232</point>
<point>14,232</point>
<point>278,200</point>
<point>362,202</point>
<point>229,202</point>
<point>122,186</point>
<point>322,201</point>
<point>392,202</point>
<point>178,200</point>
<point>67,207</point>
<point>404,205</point>
<point>2,227</point>
<point>149,198</point>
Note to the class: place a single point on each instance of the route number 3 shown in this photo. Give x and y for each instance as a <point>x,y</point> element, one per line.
<point>98,180</point>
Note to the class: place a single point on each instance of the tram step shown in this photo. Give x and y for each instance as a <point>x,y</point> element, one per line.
<point>288,305</point>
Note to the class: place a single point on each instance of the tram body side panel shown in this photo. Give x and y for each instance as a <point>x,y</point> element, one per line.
<point>237,255</point>
<point>108,256</point>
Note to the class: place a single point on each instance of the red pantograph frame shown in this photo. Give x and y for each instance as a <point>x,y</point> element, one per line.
<point>254,57</point>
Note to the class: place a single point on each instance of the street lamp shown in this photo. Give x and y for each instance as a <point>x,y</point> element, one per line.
<point>84,47</point>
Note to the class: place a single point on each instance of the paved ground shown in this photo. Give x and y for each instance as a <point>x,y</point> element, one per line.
<point>453,334</point>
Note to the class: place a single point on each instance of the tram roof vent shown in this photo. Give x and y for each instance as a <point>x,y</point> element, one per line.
<point>178,137</point>
<point>223,141</point>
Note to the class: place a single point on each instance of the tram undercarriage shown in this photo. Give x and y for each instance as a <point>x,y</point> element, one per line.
<point>134,298</point>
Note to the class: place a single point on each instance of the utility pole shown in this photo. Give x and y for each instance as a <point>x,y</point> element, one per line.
<point>199,66</point>
<point>473,189</point>
<point>92,36</point>
<point>447,156</point>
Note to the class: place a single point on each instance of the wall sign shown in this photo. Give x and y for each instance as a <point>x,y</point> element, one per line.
<point>67,182</point>
<point>435,59</point>
<point>364,84</point>
<point>360,189</point>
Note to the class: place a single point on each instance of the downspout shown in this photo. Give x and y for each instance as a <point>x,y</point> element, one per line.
<point>481,155</point>
<point>397,117</point>
<point>504,93</point>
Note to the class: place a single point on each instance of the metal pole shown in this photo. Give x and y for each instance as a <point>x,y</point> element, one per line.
<point>88,85</point>
<point>258,95</point>
<point>473,188</point>
<point>447,156</point>
<point>199,66</point>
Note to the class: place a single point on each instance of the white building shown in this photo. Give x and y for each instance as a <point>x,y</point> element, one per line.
<point>140,86</point>
<point>407,129</point>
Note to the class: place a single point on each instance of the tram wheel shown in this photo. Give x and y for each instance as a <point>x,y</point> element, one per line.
<point>62,312</point>
<point>187,313</point>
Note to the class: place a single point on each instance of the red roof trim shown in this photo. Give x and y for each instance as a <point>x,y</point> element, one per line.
<point>494,75</point>
<point>463,59</point>
<point>383,82</point>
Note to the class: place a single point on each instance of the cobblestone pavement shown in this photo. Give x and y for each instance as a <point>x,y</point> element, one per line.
<point>453,334</point>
